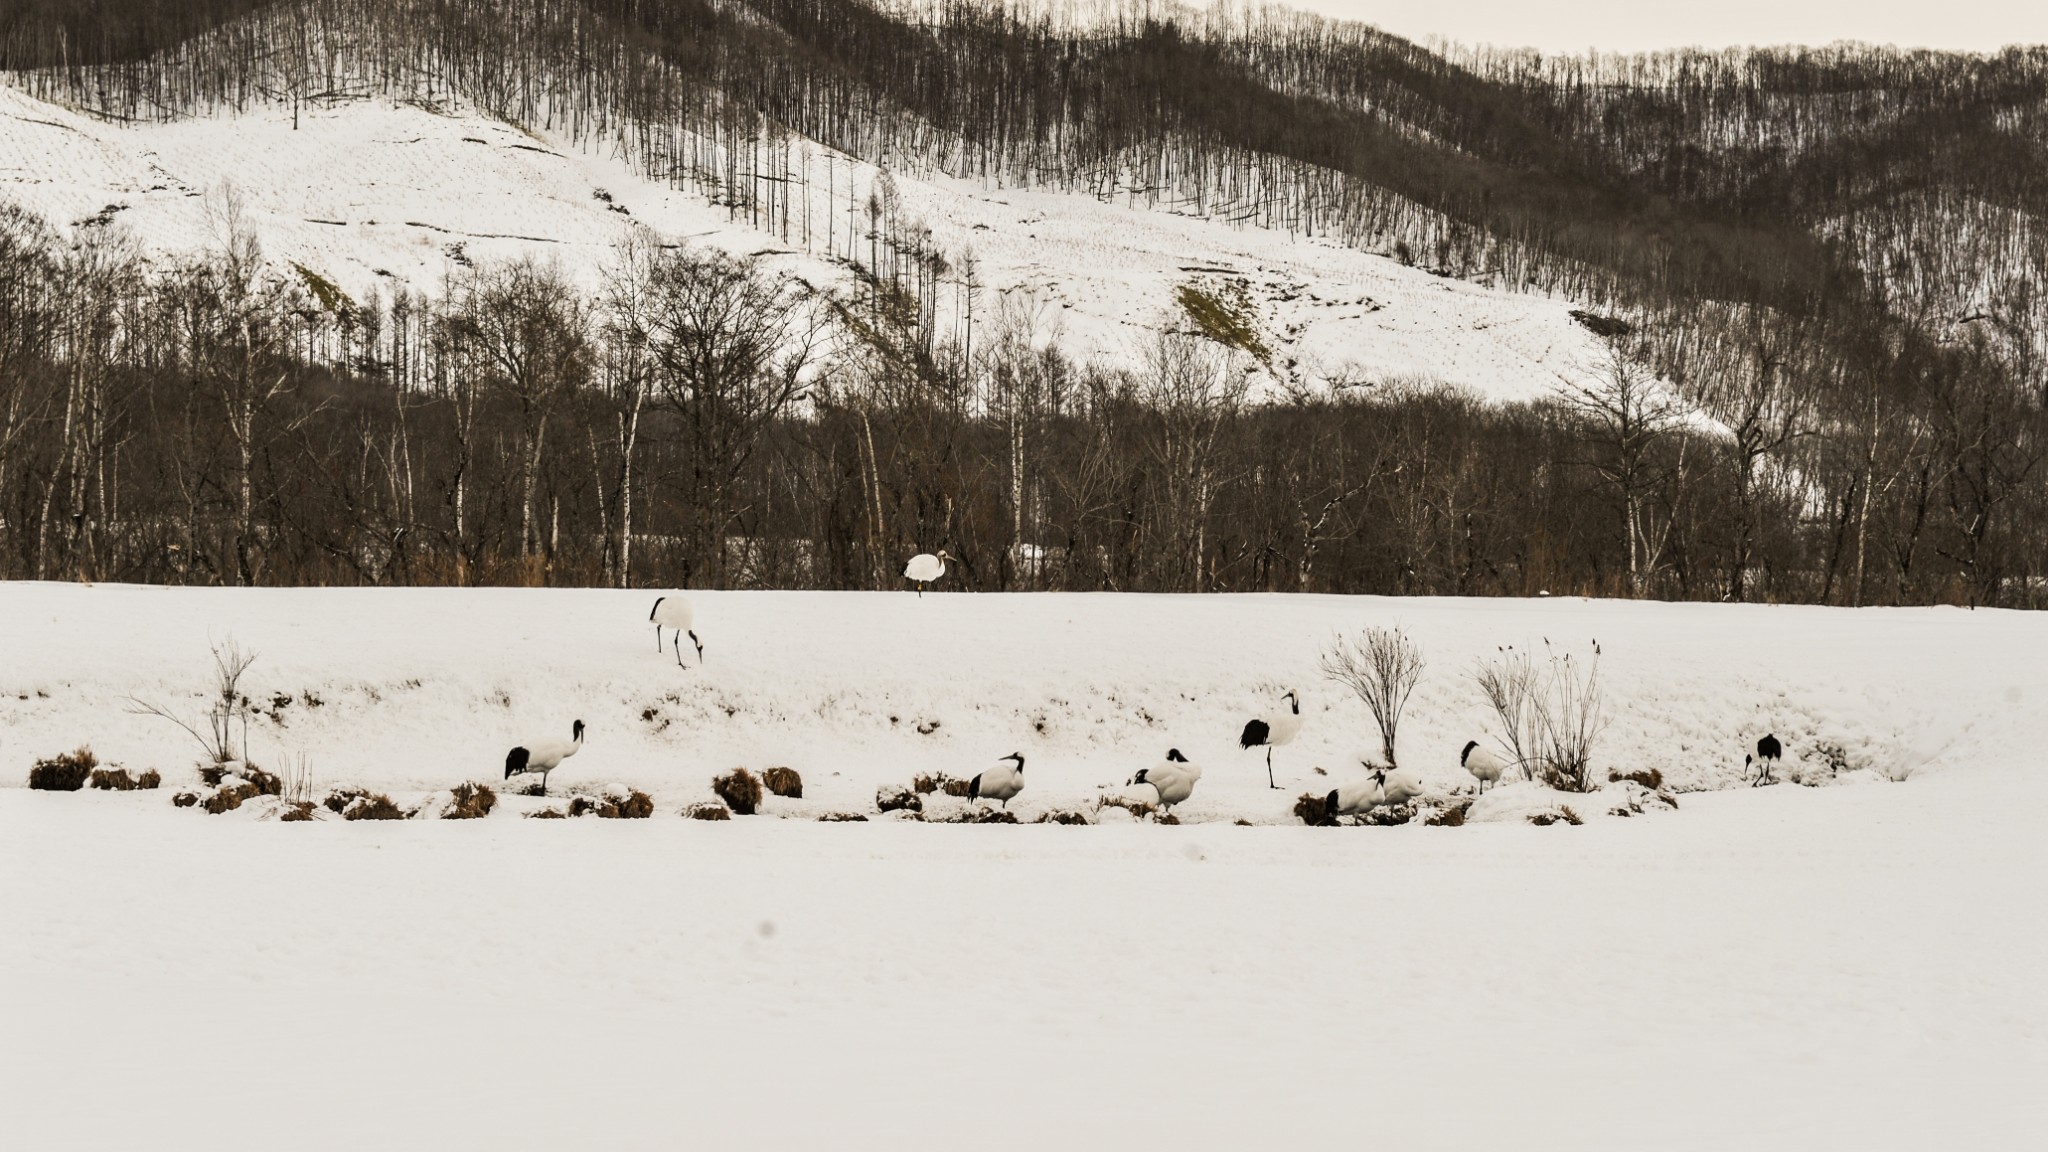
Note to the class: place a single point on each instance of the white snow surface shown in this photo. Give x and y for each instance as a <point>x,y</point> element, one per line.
<point>374,194</point>
<point>1784,967</point>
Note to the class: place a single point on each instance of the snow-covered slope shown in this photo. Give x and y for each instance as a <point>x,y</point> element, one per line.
<point>420,689</point>
<point>374,194</point>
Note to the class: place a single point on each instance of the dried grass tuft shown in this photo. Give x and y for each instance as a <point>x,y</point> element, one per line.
<point>1451,817</point>
<point>299,810</point>
<point>635,805</point>
<point>372,806</point>
<point>150,779</point>
<point>184,799</point>
<point>924,785</point>
<point>1314,810</point>
<point>472,802</point>
<point>741,791</point>
<point>1062,816</point>
<point>708,812</point>
<point>1649,778</point>
<point>1566,814</point>
<point>66,773</point>
<point>548,814</point>
<point>842,818</point>
<point>1138,808</point>
<point>784,782</point>
<point>113,780</point>
<point>229,797</point>
<point>890,798</point>
<point>973,815</point>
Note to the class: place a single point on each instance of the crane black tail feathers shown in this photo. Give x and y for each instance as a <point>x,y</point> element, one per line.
<point>515,762</point>
<point>1255,734</point>
<point>974,788</point>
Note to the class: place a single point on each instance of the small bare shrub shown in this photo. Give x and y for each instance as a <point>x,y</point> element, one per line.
<point>891,798</point>
<point>1549,714</point>
<point>298,777</point>
<point>1382,666</point>
<point>1649,778</point>
<point>1566,814</point>
<point>1314,810</point>
<point>150,779</point>
<point>297,810</point>
<point>229,705</point>
<point>741,791</point>
<point>838,817</point>
<point>66,773</point>
<point>113,780</point>
<point>708,812</point>
<point>784,782</point>
<point>184,799</point>
<point>472,802</point>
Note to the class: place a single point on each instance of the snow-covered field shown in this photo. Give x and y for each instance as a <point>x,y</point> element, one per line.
<point>1852,964</point>
<point>374,195</point>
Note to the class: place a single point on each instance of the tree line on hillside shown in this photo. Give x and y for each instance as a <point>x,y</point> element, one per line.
<point>701,421</point>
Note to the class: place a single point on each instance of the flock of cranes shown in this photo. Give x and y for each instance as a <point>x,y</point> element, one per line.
<point>1171,781</point>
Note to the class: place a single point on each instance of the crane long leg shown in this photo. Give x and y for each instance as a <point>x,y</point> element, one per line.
<point>1269,767</point>
<point>697,642</point>
<point>657,637</point>
<point>679,649</point>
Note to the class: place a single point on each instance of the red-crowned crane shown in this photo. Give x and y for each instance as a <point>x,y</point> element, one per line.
<point>675,612</point>
<point>1173,778</point>
<point>1273,730</point>
<point>542,756</point>
<point>925,568</point>
<point>1000,783</point>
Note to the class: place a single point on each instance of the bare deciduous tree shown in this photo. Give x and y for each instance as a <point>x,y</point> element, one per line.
<point>1382,666</point>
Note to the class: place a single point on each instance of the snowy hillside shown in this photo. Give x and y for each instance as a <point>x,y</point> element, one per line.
<point>372,195</point>
<point>1788,967</point>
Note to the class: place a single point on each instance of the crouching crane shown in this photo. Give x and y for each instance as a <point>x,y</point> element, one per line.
<point>542,756</point>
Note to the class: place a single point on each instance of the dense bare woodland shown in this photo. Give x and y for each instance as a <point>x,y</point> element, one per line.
<point>1837,256</point>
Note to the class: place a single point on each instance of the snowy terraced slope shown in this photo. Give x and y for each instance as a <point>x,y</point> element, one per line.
<point>372,195</point>
<point>422,689</point>
<point>1779,968</point>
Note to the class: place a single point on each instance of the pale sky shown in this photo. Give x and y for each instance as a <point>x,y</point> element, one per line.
<point>1637,25</point>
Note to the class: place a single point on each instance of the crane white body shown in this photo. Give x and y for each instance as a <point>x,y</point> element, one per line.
<point>1484,766</point>
<point>676,612</point>
<point>1173,778</point>
<point>926,567</point>
<point>1384,788</point>
<point>1272,730</point>
<point>1000,783</point>
<point>543,756</point>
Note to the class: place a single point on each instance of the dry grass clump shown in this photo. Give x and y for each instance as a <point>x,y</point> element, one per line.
<point>548,814</point>
<point>184,799</point>
<point>1450,817</point>
<point>981,816</point>
<point>229,797</point>
<point>925,785</point>
<point>264,783</point>
<point>1388,815</point>
<point>707,812</point>
<point>364,805</point>
<point>472,802</point>
<point>741,791</point>
<point>66,773</point>
<point>1138,808</point>
<point>338,800</point>
<point>1649,778</point>
<point>1063,816</point>
<point>150,780</point>
<point>298,810</point>
<point>113,780</point>
<point>1563,815</point>
<point>784,782</point>
<point>1166,818</point>
<point>842,817</point>
<point>636,805</point>
<point>1314,810</point>
<point>890,798</point>
<point>1566,814</point>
